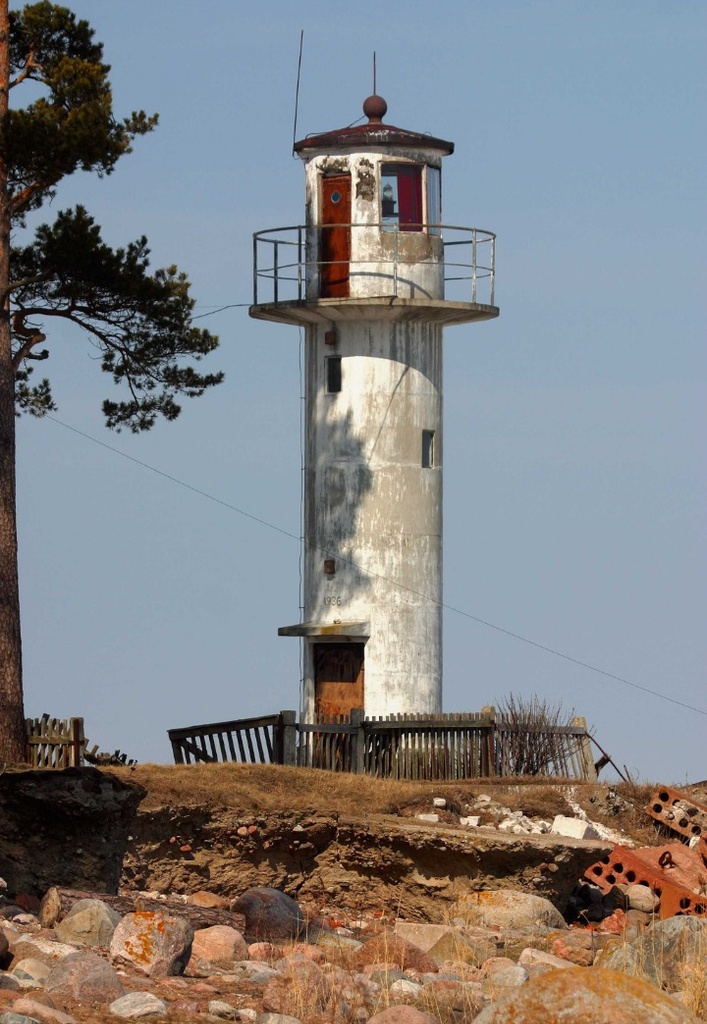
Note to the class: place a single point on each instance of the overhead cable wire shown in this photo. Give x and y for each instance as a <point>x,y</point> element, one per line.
<point>386,579</point>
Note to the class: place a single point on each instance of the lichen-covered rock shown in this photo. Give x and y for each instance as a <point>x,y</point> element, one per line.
<point>153,943</point>
<point>270,915</point>
<point>85,977</point>
<point>507,909</point>
<point>591,996</point>
<point>88,923</point>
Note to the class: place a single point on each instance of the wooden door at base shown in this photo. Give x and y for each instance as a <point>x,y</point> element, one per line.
<point>338,678</point>
<point>335,252</point>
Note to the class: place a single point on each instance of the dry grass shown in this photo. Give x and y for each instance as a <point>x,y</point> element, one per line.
<point>277,789</point>
<point>271,788</point>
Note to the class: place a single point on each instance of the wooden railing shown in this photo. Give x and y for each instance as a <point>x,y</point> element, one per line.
<point>415,747</point>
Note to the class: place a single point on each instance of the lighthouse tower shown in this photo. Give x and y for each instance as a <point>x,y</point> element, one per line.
<point>365,277</point>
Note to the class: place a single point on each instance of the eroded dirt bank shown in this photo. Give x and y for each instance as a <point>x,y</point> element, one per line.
<point>223,834</point>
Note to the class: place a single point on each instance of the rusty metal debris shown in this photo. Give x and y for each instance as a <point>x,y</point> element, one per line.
<point>676,872</point>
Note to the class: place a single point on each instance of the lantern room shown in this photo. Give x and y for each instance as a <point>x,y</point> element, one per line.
<point>373,201</point>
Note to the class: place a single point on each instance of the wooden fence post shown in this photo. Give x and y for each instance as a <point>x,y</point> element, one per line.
<point>358,742</point>
<point>78,742</point>
<point>589,771</point>
<point>288,738</point>
<point>489,743</point>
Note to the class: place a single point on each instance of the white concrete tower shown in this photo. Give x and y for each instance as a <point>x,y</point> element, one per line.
<point>366,278</point>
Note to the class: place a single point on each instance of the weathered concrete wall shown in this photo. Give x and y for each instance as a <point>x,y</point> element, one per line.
<point>371,504</point>
<point>408,264</point>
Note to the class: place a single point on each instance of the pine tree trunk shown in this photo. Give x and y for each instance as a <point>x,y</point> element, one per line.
<point>12,727</point>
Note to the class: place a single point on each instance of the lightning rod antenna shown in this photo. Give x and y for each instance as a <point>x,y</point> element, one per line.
<point>374,74</point>
<point>299,72</point>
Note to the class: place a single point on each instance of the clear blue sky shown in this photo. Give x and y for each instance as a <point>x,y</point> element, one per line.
<point>574,424</point>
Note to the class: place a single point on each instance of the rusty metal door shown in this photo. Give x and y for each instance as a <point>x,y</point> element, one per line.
<point>338,678</point>
<point>335,251</point>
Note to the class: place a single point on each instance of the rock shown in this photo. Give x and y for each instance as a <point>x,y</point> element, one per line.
<point>576,947</point>
<point>573,828</point>
<point>298,987</point>
<point>430,819</point>
<point>154,944</point>
<point>88,923</point>
<point>84,977</point>
<point>405,987</point>
<point>30,972</point>
<point>82,812</point>
<point>439,801</point>
<point>402,1015</point>
<point>42,1012</point>
<point>388,948</point>
<point>270,915</point>
<point>537,957</point>
<point>41,948</point>
<point>640,897</point>
<point>224,1011</point>
<point>668,953</point>
<point>207,899</point>
<point>441,941</point>
<point>501,981</point>
<point>505,908</point>
<point>266,951</point>
<point>218,946</point>
<point>16,1018</point>
<point>494,964</point>
<point>598,995</point>
<point>9,984</point>
<point>459,997</point>
<point>470,821</point>
<point>275,1018</point>
<point>135,1005</point>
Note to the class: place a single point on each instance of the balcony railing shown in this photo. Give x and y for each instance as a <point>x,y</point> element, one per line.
<point>287,269</point>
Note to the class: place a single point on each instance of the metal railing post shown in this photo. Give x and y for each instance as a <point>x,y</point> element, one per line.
<point>275,269</point>
<point>493,269</point>
<point>255,270</point>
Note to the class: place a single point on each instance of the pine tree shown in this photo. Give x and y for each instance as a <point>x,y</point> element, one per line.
<point>139,320</point>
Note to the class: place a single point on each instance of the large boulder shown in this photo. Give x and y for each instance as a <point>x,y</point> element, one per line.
<point>507,909</point>
<point>670,953</point>
<point>217,946</point>
<point>66,828</point>
<point>591,995</point>
<point>88,923</point>
<point>85,977</point>
<point>270,915</point>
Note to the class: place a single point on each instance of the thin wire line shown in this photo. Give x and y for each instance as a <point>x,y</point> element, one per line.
<point>232,305</point>
<point>385,579</point>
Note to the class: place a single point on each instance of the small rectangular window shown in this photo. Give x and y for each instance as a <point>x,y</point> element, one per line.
<point>333,374</point>
<point>401,196</point>
<point>428,449</point>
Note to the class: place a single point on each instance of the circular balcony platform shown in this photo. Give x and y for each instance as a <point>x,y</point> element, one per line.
<point>387,309</point>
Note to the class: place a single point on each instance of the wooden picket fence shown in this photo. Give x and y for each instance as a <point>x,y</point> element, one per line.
<point>55,742</point>
<point>414,747</point>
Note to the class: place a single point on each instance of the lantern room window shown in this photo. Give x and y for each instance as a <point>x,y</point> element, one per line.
<point>401,197</point>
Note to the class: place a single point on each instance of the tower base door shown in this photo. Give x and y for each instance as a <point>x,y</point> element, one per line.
<point>338,678</point>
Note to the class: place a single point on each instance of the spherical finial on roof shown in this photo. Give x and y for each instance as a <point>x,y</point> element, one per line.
<point>375,109</point>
